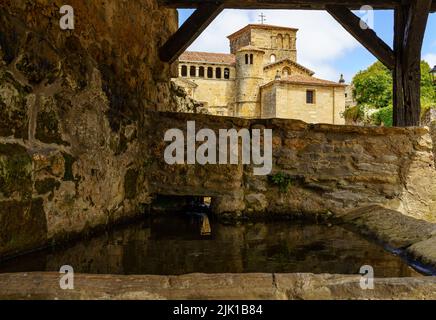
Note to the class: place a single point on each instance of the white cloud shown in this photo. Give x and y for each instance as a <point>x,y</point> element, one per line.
<point>321,40</point>
<point>214,38</point>
<point>430,58</point>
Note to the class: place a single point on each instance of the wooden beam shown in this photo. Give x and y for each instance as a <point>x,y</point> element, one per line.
<point>398,87</point>
<point>410,24</point>
<point>189,31</point>
<point>286,4</point>
<point>367,37</point>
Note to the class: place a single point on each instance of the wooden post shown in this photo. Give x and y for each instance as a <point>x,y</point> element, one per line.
<point>410,23</point>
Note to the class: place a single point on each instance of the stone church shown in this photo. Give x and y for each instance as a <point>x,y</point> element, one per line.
<point>261,78</point>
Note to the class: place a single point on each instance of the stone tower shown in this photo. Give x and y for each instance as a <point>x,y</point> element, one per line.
<point>278,43</point>
<point>249,77</point>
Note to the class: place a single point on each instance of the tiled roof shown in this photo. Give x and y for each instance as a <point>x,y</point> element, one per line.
<point>191,56</point>
<point>306,80</point>
<point>291,62</point>
<point>260,26</point>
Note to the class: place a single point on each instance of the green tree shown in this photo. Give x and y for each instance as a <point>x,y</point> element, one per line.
<point>427,88</point>
<point>373,89</point>
<point>373,86</point>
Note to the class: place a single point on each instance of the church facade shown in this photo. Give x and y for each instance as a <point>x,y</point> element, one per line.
<point>261,78</point>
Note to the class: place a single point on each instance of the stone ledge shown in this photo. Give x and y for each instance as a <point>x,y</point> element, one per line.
<point>45,286</point>
<point>388,226</point>
<point>424,251</point>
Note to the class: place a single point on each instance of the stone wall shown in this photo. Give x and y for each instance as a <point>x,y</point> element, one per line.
<point>71,114</point>
<point>288,101</point>
<point>330,169</point>
<point>78,149</point>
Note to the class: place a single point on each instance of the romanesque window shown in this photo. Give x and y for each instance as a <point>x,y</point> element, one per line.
<point>310,96</point>
<point>226,73</point>
<point>251,58</point>
<point>286,72</point>
<point>280,41</point>
<point>273,42</point>
<point>192,71</point>
<point>246,59</point>
<point>201,72</point>
<point>184,71</point>
<point>210,72</point>
<point>287,42</point>
<point>218,73</point>
<point>273,58</point>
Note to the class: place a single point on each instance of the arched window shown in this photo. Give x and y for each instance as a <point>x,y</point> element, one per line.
<point>280,41</point>
<point>201,72</point>
<point>226,73</point>
<point>184,71</point>
<point>287,42</point>
<point>218,73</point>
<point>210,72</point>
<point>286,72</point>
<point>192,71</point>
<point>273,42</point>
<point>246,59</point>
<point>273,58</point>
<point>251,58</point>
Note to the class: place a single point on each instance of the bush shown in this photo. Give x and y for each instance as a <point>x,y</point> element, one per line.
<point>282,180</point>
<point>354,114</point>
<point>384,116</point>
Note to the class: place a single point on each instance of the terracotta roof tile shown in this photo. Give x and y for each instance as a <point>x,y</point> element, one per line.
<point>209,57</point>
<point>302,79</point>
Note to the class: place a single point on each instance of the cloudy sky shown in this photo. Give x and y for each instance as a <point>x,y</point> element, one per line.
<point>323,45</point>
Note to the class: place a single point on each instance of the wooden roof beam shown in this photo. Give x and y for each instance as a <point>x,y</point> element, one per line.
<point>286,4</point>
<point>367,37</point>
<point>189,31</point>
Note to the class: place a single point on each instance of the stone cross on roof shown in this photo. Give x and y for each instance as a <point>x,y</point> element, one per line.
<point>262,19</point>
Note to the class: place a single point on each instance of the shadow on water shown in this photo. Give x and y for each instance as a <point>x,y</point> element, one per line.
<point>189,243</point>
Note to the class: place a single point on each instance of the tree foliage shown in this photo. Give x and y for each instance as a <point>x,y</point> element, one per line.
<point>373,89</point>
<point>373,86</point>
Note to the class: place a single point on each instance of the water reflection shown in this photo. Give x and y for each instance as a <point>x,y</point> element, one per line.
<point>172,245</point>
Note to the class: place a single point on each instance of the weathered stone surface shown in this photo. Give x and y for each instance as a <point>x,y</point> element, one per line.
<point>424,251</point>
<point>15,172</point>
<point>13,106</point>
<point>45,286</point>
<point>86,142</point>
<point>71,112</point>
<point>331,169</point>
<point>23,226</point>
<point>390,227</point>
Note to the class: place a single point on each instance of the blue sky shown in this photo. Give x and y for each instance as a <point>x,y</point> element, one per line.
<point>323,45</point>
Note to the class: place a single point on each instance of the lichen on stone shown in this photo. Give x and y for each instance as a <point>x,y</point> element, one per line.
<point>23,225</point>
<point>15,171</point>
<point>13,107</point>
<point>47,128</point>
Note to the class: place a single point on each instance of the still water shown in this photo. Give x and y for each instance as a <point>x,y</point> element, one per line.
<point>180,244</point>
